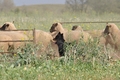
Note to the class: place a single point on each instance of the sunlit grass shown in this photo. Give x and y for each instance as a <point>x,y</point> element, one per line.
<point>68,68</point>
<point>44,22</point>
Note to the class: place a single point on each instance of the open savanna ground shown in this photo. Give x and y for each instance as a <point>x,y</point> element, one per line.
<point>26,66</point>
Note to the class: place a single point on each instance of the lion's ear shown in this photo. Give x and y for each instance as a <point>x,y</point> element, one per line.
<point>108,25</point>
<point>74,27</point>
<point>56,24</point>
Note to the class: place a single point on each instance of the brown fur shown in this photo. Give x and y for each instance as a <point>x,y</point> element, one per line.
<point>75,27</point>
<point>16,36</point>
<point>95,33</point>
<point>69,36</point>
<point>114,31</point>
<point>8,26</point>
<point>5,45</point>
<point>105,40</point>
<point>42,38</point>
<point>85,34</point>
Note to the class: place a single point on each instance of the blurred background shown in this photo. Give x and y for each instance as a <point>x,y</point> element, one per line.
<point>41,14</point>
<point>86,6</point>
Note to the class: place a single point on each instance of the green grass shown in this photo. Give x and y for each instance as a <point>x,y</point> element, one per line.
<point>67,68</point>
<point>54,70</point>
<point>26,66</point>
<point>43,20</point>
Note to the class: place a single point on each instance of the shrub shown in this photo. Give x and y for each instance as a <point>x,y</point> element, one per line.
<point>26,56</point>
